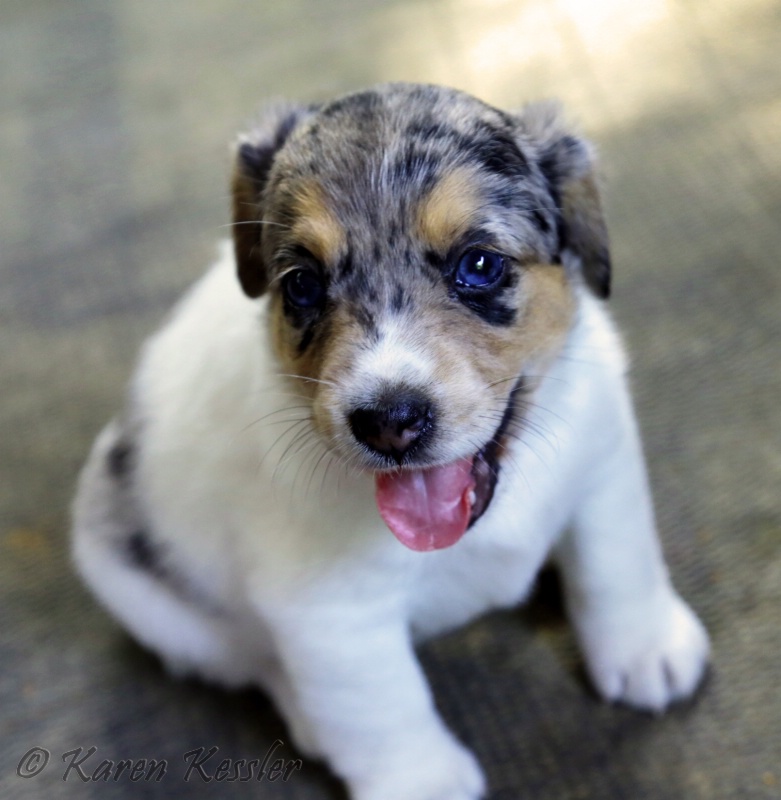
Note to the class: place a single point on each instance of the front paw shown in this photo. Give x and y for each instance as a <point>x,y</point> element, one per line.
<point>444,770</point>
<point>648,656</point>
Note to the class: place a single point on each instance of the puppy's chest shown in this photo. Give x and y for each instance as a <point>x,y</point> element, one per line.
<point>493,566</point>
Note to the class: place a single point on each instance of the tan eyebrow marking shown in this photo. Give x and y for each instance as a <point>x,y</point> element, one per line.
<point>449,208</point>
<point>316,227</point>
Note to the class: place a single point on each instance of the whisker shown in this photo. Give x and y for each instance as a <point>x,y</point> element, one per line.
<point>314,469</point>
<point>535,452</point>
<point>299,441</point>
<point>279,438</point>
<point>350,461</point>
<point>562,420</point>
<point>254,222</point>
<point>518,469</point>
<point>309,446</point>
<point>273,413</point>
<point>306,378</point>
<point>524,390</point>
<point>288,393</point>
<point>331,460</point>
<point>501,380</point>
<point>282,421</point>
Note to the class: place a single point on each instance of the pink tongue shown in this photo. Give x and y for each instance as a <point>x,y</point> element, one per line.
<point>427,509</point>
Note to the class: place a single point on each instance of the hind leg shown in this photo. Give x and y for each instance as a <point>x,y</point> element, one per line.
<point>118,559</point>
<point>190,632</point>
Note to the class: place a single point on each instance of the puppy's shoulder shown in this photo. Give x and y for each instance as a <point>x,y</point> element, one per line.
<point>595,343</point>
<point>206,361</point>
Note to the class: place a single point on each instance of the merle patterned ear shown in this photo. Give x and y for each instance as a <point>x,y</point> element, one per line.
<point>567,162</point>
<point>254,156</point>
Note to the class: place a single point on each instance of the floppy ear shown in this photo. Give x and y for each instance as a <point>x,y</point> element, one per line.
<point>254,155</point>
<point>567,162</point>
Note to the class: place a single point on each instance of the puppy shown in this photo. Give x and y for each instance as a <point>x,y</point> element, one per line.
<point>383,409</point>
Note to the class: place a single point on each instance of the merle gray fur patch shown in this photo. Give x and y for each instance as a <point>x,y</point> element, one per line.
<point>374,157</point>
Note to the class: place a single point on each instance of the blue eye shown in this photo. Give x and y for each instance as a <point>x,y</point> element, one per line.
<point>303,288</point>
<point>479,269</point>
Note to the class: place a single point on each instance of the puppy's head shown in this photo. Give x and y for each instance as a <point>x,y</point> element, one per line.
<point>420,249</point>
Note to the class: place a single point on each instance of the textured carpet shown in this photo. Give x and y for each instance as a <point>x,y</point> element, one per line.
<point>114,120</point>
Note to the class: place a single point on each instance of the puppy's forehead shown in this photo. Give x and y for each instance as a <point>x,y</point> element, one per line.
<point>403,130</point>
<point>419,159</point>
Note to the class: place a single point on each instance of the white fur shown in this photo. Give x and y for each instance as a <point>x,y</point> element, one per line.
<point>301,588</point>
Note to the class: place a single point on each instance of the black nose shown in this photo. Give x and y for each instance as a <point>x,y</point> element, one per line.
<point>393,426</point>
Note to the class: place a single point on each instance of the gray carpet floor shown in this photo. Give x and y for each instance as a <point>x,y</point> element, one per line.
<point>114,124</point>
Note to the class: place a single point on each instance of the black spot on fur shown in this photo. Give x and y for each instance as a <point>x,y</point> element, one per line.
<point>432,267</point>
<point>346,266</point>
<point>561,231</point>
<point>434,259</point>
<point>119,459</point>
<point>144,554</point>
<point>489,309</point>
<point>415,165</point>
<point>360,287</point>
<point>540,221</point>
<point>365,320</point>
<point>557,163</point>
<point>359,104</point>
<point>306,340</point>
<point>305,320</point>
<point>494,148</point>
<point>394,233</point>
<point>141,552</point>
<point>427,130</point>
<point>508,120</point>
<point>498,152</point>
<point>400,300</point>
<point>506,197</point>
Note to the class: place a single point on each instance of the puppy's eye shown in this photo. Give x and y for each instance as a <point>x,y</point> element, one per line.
<point>479,269</point>
<point>303,288</point>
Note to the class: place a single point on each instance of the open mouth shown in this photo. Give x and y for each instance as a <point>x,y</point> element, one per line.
<point>432,508</point>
